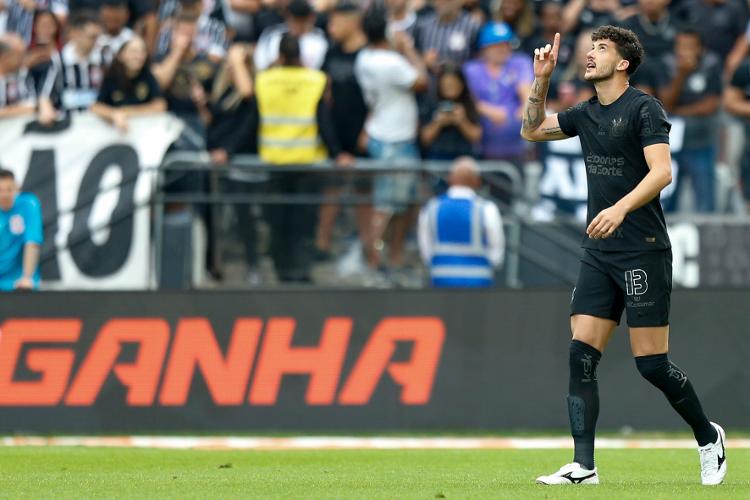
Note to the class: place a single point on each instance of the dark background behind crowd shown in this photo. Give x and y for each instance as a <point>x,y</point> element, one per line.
<point>402,80</point>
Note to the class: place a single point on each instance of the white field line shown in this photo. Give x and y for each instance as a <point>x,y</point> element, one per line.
<point>346,443</point>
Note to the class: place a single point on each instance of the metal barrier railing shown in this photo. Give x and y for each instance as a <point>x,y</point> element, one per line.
<point>509,181</point>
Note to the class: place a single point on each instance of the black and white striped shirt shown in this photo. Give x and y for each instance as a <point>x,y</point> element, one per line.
<point>211,8</point>
<point>17,88</point>
<point>78,79</point>
<point>454,41</point>
<point>210,38</point>
<point>110,45</point>
<point>25,86</point>
<point>21,21</point>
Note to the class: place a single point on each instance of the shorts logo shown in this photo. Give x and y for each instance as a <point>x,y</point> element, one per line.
<point>636,282</point>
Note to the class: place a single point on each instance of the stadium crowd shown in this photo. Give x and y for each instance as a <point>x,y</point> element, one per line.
<point>397,80</point>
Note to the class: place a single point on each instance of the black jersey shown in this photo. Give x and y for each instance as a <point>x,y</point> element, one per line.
<point>612,139</point>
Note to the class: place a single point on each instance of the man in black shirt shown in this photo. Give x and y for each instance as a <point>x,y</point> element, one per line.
<point>627,261</point>
<point>348,113</point>
<point>693,93</point>
<point>737,102</point>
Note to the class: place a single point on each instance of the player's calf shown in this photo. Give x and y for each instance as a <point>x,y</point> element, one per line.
<point>674,383</point>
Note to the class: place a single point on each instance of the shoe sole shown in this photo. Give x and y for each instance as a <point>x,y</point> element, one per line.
<point>568,484</point>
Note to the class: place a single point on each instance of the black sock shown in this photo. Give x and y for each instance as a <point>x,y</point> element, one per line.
<point>673,382</point>
<point>583,400</point>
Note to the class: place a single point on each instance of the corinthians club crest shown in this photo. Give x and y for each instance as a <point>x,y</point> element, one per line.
<point>618,127</point>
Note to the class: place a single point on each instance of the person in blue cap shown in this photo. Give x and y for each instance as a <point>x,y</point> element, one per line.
<point>500,80</point>
<point>20,236</point>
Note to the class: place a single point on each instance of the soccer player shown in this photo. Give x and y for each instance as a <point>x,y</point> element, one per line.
<point>627,260</point>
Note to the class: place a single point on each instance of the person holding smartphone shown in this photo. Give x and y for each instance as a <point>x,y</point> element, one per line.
<point>451,126</point>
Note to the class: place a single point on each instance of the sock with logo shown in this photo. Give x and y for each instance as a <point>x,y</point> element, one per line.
<point>583,400</point>
<point>673,382</point>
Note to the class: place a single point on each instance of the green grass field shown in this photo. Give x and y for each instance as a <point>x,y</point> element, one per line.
<point>54,473</point>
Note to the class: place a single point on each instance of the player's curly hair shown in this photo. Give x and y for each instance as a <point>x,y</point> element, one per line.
<point>628,45</point>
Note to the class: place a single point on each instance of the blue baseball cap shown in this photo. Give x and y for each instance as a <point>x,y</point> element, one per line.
<point>494,33</point>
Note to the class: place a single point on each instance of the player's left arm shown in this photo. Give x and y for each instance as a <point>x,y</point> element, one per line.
<point>30,262</point>
<point>33,237</point>
<point>659,176</point>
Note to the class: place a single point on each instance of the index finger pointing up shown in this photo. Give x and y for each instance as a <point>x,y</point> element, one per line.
<point>555,46</point>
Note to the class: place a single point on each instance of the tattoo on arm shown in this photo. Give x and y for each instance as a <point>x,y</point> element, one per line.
<point>533,117</point>
<point>534,114</point>
<point>552,131</point>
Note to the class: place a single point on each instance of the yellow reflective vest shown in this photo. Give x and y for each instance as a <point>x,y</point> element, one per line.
<point>288,100</point>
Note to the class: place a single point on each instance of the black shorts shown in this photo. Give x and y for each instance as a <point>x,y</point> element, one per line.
<point>640,282</point>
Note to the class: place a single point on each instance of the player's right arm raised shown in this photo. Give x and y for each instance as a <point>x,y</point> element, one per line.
<point>536,126</point>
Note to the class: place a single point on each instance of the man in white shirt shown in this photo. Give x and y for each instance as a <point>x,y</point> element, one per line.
<point>389,78</point>
<point>80,65</point>
<point>461,237</point>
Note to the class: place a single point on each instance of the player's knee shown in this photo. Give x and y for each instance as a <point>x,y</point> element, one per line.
<point>653,367</point>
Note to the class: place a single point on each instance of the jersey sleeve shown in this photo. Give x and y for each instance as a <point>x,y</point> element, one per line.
<point>653,127</point>
<point>401,73</point>
<point>568,118</point>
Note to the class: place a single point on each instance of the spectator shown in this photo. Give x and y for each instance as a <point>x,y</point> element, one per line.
<point>550,22</point>
<point>80,65</point>
<point>185,73</point>
<point>129,88</point>
<point>208,8</point>
<point>719,22</point>
<point>20,93</point>
<point>270,14</point>
<point>479,10</point>
<point>401,18</point>
<point>241,17</point>
<point>21,14</point>
<point>230,107</point>
<point>142,18</point>
<point>349,111</point>
<point>460,233</point>
<point>389,79</point>
<point>208,35</point>
<point>299,22</point>
<point>500,81</point>
<point>579,15</point>
<point>693,94</point>
<point>519,16</point>
<point>655,28</point>
<point>191,46</point>
<point>231,132</point>
<point>295,128</point>
<point>114,15</point>
<point>46,41</point>
<point>447,35</point>
<point>20,236</point>
<point>452,127</point>
<point>737,103</point>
